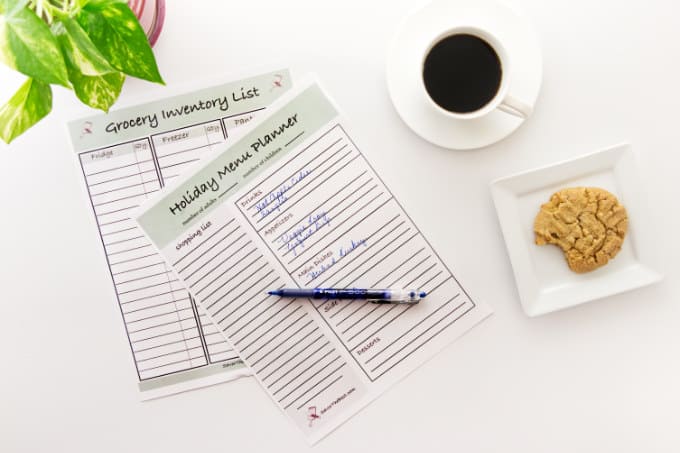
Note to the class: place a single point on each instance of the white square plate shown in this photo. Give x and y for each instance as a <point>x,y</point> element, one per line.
<point>544,281</point>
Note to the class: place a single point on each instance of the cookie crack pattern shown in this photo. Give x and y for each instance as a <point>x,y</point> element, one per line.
<point>604,227</point>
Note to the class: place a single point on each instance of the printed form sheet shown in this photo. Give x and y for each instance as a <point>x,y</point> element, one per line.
<point>125,157</point>
<point>294,202</point>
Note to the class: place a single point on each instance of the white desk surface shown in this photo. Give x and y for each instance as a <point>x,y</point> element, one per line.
<point>602,377</point>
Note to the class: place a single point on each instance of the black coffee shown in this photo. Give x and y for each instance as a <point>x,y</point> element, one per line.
<point>462,73</point>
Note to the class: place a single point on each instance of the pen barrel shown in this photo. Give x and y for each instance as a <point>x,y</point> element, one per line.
<point>351,293</point>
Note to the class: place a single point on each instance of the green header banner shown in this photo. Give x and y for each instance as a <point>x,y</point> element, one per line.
<point>209,104</point>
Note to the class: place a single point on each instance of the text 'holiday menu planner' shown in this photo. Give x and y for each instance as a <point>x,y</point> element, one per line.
<point>293,202</point>
<point>126,156</point>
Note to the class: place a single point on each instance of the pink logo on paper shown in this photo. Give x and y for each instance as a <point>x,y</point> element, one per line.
<point>278,78</point>
<point>312,415</point>
<point>87,129</point>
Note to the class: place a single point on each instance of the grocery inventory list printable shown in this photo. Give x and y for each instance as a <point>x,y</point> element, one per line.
<point>293,202</point>
<point>125,157</point>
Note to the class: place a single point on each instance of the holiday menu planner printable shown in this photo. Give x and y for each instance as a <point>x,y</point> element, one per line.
<point>128,155</point>
<point>293,202</point>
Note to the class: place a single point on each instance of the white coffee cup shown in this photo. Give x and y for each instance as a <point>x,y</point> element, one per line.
<point>502,100</point>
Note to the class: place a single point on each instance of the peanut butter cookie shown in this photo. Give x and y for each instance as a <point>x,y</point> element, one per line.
<point>587,223</point>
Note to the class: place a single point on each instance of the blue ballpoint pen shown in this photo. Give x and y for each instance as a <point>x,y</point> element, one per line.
<point>378,296</point>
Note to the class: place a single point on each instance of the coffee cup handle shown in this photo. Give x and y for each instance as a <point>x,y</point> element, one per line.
<point>515,107</point>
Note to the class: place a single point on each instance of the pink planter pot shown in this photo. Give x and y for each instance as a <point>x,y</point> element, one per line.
<point>151,14</point>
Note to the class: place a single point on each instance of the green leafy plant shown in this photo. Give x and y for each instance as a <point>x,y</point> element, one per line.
<point>88,46</point>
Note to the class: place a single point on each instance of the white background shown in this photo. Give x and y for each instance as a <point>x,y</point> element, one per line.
<point>602,377</point>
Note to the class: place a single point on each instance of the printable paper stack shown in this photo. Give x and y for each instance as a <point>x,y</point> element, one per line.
<point>125,157</point>
<point>294,202</point>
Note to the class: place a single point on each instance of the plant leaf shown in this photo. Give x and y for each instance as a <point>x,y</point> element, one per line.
<point>27,45</point>
<point>31,102</point>
<point>81,54</point>
<point>114,29</point>
<point>103,1</point>
<point>100,91</point>
<point>11,6</point>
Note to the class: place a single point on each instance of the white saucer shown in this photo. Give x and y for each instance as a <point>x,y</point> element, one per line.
<point>404,65</point>
<point>544,281</point>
